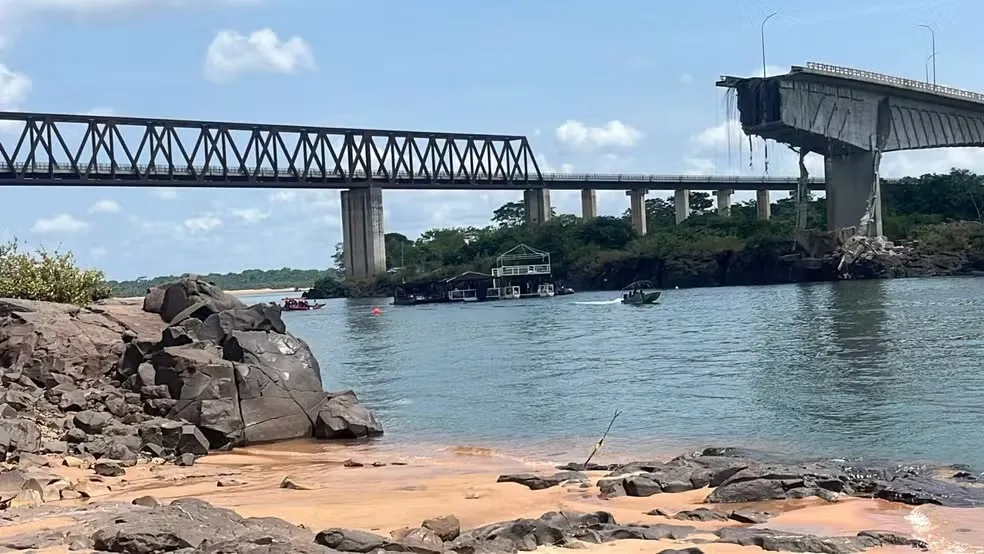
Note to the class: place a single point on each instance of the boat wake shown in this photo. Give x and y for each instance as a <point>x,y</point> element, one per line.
<point>599,302</point>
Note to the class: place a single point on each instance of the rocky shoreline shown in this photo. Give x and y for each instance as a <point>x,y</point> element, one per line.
<point>188,371</point>
<point>99,402</point>
<point>742,495</point>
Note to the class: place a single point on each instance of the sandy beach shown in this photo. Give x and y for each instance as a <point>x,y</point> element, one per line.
<point>462,482</point>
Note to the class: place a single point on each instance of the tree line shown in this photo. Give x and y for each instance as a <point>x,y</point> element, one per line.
<point>599,252</point>
<point>584,250</point>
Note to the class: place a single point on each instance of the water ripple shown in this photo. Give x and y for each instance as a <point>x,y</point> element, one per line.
<point>886,369</point>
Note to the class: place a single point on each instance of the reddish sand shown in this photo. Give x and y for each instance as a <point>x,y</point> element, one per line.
<point>461,481</point>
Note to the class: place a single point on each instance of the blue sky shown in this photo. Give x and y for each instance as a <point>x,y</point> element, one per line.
<point>609,87</point>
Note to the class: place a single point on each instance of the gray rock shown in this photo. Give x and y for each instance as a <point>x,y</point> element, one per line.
<point>741,476</point>
<point>106,468</point>
<point>350,540</point>
<point>193,297</point>
<point>18,435</point>
<point>145,501</point>
<point>534,482</point>
<point>91,422</point>
<point>700,514</point>
<point>192,441</point>
<point>750,516</point>
<point>780,541</point>
<point>447,527</point>
<point>343,417</point>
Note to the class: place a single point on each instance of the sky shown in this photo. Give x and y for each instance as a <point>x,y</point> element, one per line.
<point>622,87</point>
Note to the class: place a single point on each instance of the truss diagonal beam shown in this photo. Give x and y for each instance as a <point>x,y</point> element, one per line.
<point>38,148</point>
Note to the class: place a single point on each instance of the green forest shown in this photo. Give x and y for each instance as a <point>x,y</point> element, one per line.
<point>707,249</point>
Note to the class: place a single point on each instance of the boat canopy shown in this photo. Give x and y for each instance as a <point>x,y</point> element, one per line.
<point>469,276</point>
<point>639,285</point>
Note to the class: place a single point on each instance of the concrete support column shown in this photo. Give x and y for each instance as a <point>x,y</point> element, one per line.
<point>763,205</point>
<point>850,179</point>
<point>363,241</point>
<point>537,205</point>
<point>724,202</point>
<point>637,209</point>
<point>681,199</point>
<point>589,204</point>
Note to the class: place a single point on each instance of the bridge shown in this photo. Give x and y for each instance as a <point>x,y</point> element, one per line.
<point>847,115</point>
<point>851,117</point>
<point>110,151</point>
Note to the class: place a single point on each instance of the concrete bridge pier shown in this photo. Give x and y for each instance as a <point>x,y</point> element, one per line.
<point>589,204</point>
<point>763,205</point>
<point>850,179</point>
<point>363,241</point>
<point>537,205</point>
<point>637,209</point>
<point>724,202</point>
<point>681,200</point>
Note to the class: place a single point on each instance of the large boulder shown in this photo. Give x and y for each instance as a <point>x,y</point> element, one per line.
<point>342,417</point>
<point>238,375</point>
<point>40,338</point>
<point>105,379</point>
<point>190,297</point>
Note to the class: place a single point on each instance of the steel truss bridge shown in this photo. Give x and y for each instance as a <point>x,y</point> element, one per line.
<point>41,149</point>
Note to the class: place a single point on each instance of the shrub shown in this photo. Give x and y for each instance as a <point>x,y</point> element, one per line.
<point>48,276</point>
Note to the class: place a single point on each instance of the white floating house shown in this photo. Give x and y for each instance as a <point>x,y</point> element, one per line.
<point>520,273</point>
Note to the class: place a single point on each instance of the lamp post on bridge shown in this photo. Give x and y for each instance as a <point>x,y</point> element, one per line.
<point>765,75</point>
<point>932,35</point>
<point>930,57</point>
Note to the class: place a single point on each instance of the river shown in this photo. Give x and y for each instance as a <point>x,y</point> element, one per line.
<point>890,370</point>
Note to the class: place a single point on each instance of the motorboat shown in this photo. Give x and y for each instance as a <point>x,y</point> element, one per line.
<point>639,293</point>
<point>299,305</point>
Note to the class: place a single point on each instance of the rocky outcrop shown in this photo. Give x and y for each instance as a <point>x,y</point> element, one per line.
<point>740,476</point>
<point>191,370</point>
<point>189,525</point>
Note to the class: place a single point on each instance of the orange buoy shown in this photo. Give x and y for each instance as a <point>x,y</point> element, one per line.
<point>376,311</point>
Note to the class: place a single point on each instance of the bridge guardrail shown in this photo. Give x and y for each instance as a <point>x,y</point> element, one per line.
<point>128,172</point>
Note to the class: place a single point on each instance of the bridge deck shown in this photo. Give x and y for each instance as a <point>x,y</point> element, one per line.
<point>38,149</point>
<point>124,176</point>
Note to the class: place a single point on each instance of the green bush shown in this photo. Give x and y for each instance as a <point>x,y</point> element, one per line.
<point>48,276</point>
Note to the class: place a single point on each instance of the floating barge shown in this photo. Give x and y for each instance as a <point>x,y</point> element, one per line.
<point>522,272</point>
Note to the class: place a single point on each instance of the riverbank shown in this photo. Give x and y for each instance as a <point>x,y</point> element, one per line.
<point>382,491</point>
<point>700,258</point>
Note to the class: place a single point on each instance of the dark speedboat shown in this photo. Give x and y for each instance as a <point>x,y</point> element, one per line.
<point>299,305</point>
<point>639,293</point>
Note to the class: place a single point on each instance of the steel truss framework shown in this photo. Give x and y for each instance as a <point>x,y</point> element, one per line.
<point>102,150</point>
<point>94,150</point>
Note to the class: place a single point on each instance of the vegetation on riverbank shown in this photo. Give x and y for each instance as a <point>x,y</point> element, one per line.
<point>706,250</point>
<point>48,276</point>
<point>284,278</point>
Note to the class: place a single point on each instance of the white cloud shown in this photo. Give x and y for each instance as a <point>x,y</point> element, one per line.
<point>612,134</point>
<point>98,252</point>
<point>14,88</point>
<point>105,207</point>
<point>232,53</point>
<point>202,223</point>
<point>61,223</point>
<point>165,193</point>
<point>101,111</point>
<point>283,196</point>
<point>249,215</point>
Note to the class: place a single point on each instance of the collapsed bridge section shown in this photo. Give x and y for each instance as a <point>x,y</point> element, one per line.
<point>851,117</point>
